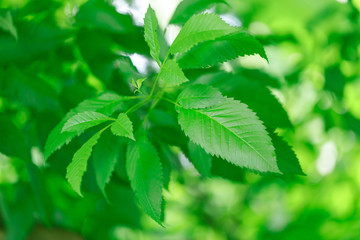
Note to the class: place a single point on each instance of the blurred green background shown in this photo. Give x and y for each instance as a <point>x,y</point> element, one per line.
<point>54,54</point>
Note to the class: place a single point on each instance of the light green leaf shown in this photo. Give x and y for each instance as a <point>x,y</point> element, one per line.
<point>287,160</point>
<point>199,96</point>
<point>187,8</point>
<point>150,34</point>
<point>233,132</point>
<point>106,103</point>
<point>200,28</point>
<point>84,120</point>
<point>7,24</point>
<point>105,156</point>
<point>123,127</point>
<point>202,161</point>
<point>145,173</point>
<point>171,74</point>
<point>229,47</point>
<point>137,84</point>
<point>77,167</point>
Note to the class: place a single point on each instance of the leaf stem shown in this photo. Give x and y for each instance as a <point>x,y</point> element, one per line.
<point>157,77</point>
<point>153,105</point>
<point>171,101</point>
<point>138,105</point>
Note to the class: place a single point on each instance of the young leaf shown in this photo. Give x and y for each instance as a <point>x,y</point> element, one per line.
<point>229,47</point>
<point>84,120</point>
<point>287,160</point>
<point>187,8</point>
<point>106,103</point>
<point>105,156</point>
<point>150,34</point>
<point>145,173</point>
<point>233,132</point>
<point>200,28</point>
<point>171,74</point>
<point>199,96</point>
<point>201,160</point>
<point>6,23</point>
<point>77,167</point>
<point>137,84</point>
<point>123,127</point>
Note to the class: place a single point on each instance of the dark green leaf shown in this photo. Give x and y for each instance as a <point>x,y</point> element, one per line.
<point>105,156</point>
<point>286,158</point>
<point>201,160</point>
<point>187,8</point>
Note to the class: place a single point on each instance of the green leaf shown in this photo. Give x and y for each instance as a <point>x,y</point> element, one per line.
<point>287,160</point>
<point>103,15</point>
<point>105,156</point>
<point>6,23</point>
<point>229,47</point>
<point>251,90</point>
<point>123,127</point>
<point>201,160</point>
<point>200,28</point>
<point>145,173</point>
<point>199,96</point>
<point>57,138</point>
<point>187,8</point>
<point>150,34</point>
<point>227,170</point>
<point>77,167</point>
<point>233,132</point>
<point>106,103</point>
<point>171,73</point>
<point>137,84</point>
<point>84,120</point>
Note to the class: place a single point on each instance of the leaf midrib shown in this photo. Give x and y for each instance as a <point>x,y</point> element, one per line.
<point>269,164</point>
<point>194,35</point>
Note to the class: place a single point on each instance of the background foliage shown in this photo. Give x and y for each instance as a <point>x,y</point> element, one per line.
<point>55,54</point>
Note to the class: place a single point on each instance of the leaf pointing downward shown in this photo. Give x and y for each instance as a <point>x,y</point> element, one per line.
<point>150,33</point>
<point>286,158</point>
<point>233,132</point>
<point>123,127</point>
<point>105,156</point>
<point>171,74</point>
<point>77,167</point>
<point>145,173</point>
<point>201,160</point>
